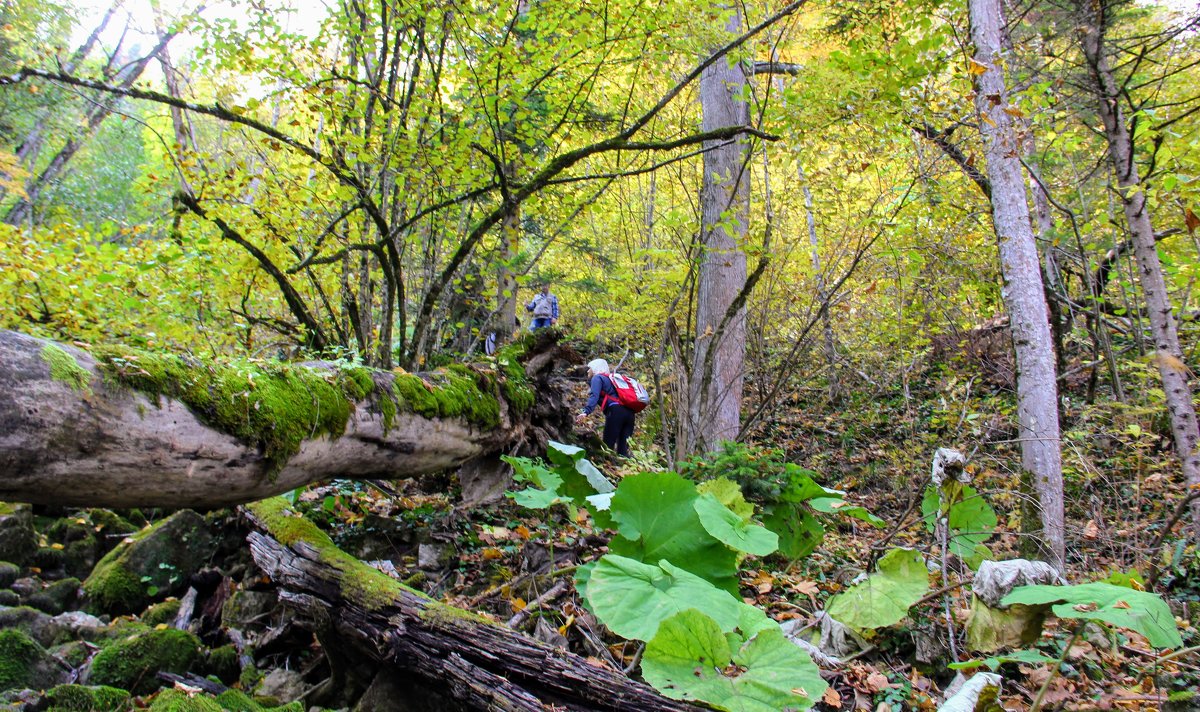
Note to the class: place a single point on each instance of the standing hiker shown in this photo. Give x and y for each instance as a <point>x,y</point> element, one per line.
<point>544,307</point>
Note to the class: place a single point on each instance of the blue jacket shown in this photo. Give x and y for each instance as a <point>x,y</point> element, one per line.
<point>601,386</point>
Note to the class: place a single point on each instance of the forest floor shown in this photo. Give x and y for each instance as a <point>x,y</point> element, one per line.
<point>501,559</point>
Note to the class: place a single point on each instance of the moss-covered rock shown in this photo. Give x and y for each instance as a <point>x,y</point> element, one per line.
<point>245,607</point>
<point>74,653</point>
<point>9,572</point>
<point>49,559</point>
<point>18,540</point>
<point>177,701</point>
<point>24,663</point>
<point>228,701</point>
<point>9,598</point>
<point>81,698</point>
<point>57,597</point>
<point>223,662</point>
<point>150,565</point>
<point>131,663</point>
<point>164,612</point>
<point>85,536</point>
<point>30,621</point>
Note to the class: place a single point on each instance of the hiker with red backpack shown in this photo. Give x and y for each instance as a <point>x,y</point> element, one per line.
<point>619,398</point>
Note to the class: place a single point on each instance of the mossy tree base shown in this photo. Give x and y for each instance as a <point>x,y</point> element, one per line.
<point>122,428</point>
<point>388,627</point>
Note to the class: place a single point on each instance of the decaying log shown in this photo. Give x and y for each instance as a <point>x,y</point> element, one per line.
<point>75,430</point>
<point>481,664</point>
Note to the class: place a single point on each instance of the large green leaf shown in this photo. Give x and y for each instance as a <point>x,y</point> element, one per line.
<point>546,483</point>
<point>656,520</point>
<point>580,477</point>
<point>885,597</point>
<point>972,520</point>
<point>724,524</point>
<point>689,659</point>
<point>802,487</point>
<point>729,494</point>
<point>633,598</point>
<point>1138,611</point>
<point>799,532</point>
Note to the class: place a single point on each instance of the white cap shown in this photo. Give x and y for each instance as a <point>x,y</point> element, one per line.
<point>598,366</point>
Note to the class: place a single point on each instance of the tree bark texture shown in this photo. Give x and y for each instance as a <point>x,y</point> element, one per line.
<point>1171,367</point>
<point>718,372</point>
<point>482,665</point>
<point>1023,293</point>
<point>71,434</point>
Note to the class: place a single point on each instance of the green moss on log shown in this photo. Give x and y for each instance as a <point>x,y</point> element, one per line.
<point>276,407</point>
<point>517,390</point>
<point>65,369</point>
<point>273,406</point>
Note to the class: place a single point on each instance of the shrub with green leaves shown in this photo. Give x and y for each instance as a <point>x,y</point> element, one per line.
<point>970,520</point>
<point>795,507</point>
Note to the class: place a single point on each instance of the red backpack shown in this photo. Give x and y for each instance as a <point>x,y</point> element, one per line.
<point>630,393</point>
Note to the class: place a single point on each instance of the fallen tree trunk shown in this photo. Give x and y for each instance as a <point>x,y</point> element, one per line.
<point>122,428</point>
<point>387,628</point>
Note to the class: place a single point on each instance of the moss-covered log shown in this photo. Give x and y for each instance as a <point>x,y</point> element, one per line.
<point>123,428</point>
<point>376,626</point>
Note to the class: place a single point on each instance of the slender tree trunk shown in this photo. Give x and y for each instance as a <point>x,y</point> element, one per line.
<point>1171,367</point>
<point>27,151</point>
<point>1024,295</point>
<point>23,209</point>
<point>717,375</point>
<point>829,345</point>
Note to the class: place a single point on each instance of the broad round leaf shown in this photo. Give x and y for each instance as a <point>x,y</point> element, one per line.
<point>1139,611</point>
<point>632,598</point>
<point>799,532</point>
<point>656,520</point>
<point>885,597</point>
<point>689,659</point>
<point>728,527</point>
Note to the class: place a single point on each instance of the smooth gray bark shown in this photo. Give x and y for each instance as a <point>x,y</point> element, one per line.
<point>105,445</point>
<point>1171,367</point>
<point>718,373</point>
<point>1023,293</point>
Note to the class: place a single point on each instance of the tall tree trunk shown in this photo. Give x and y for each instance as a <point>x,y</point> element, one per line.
<point>1171,367</point>
<point>1024,295</point>
<point>718,367</point>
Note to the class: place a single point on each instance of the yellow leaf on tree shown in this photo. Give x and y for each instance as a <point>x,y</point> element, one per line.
<point>975,68</point>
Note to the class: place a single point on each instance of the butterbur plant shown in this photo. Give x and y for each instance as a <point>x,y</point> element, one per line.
<point>794,506</point>
<point>670,580</point>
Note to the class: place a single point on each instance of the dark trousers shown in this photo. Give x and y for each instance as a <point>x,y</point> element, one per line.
<point>618,426</point>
